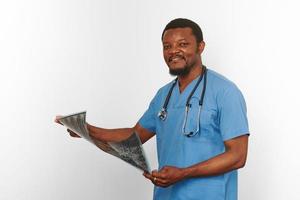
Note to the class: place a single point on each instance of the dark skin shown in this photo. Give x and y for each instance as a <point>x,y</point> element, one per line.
<point>234,157</point>
<point>113,135</point>
<point>180,43</point>
<point>180,50</point>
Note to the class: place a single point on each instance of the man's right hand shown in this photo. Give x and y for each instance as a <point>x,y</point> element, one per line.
<point>73,134</point>
<point>56,120</point>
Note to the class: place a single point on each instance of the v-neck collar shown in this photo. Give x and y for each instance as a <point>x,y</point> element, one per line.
<point>180,98</point>
<point>189,87</point>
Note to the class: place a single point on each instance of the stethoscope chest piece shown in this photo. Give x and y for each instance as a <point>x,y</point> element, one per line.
<point>162,115</point>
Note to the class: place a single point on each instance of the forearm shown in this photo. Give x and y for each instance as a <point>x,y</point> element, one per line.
<point>119,134</point>
<point>220,164</point>
<point>109,135</point>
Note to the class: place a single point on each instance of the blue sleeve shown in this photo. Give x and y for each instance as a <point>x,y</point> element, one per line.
<point>233,114</point>
<point>148,119</point>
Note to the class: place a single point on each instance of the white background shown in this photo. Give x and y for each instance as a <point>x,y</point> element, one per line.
<point>105,56</point>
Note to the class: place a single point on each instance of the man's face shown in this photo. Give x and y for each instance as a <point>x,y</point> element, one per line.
<point>180,49</point>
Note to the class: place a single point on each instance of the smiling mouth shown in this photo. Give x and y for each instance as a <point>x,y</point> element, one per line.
<point>176,58</point>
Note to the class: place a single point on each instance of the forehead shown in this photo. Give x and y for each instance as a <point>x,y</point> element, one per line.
<point>176,34</point>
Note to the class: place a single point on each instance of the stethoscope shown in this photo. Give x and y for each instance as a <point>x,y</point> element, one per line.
<point>162,114</point>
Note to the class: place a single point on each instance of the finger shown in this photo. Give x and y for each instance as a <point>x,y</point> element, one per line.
<point>157,182</point>
<point>161,175</point>
<point>145,172</point>
<point>154,172</point>
<point>57,121</point>
<point>73,134</point>
<point>148,176</point>
<point>160,181</point>
<point>160,184</point>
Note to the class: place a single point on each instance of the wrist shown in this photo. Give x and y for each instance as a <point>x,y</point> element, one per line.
<point>187,172</point>
<point>88,127</point>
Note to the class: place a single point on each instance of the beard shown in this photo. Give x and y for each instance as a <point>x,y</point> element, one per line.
<point>181,71</point>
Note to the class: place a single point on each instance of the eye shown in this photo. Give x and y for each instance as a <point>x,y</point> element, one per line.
<point>166,46</point>
<point>183,44</point>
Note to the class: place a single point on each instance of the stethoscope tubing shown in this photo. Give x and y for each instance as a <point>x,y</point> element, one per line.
<point>163,113</point>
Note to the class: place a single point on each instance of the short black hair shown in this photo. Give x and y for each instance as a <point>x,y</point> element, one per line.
<point>185,23</point>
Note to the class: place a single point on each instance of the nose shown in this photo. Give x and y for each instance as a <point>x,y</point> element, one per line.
<point>173,50</point>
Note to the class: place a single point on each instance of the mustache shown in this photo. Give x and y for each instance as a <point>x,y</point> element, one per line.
<point>176,56</point>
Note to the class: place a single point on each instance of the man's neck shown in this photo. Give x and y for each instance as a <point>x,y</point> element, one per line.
<point>184,81</point>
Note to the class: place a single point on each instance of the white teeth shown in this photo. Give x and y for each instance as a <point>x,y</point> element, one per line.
<point>175,59</point>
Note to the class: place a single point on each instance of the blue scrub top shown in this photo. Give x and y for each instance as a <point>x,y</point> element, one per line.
<point>223,117</point>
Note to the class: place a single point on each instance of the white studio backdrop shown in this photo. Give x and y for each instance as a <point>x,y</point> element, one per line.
<point>105,56</point>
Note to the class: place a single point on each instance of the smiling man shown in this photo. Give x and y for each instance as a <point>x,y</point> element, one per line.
<point>199,120</point>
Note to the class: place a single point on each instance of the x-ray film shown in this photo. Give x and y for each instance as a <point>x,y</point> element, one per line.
<point>129,150</point>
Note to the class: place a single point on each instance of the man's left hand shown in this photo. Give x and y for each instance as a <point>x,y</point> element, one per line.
<point>165,177</point>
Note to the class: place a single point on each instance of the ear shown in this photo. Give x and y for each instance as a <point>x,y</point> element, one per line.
<point>201,47</point>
